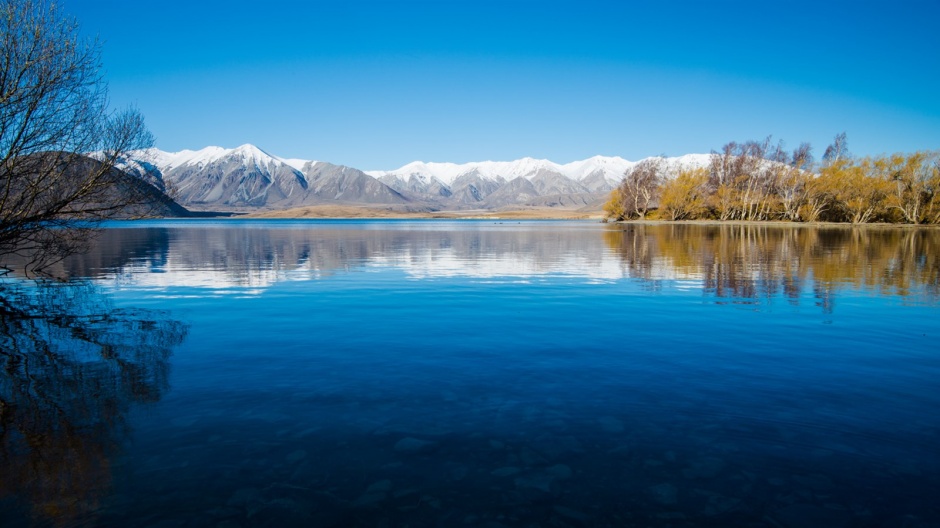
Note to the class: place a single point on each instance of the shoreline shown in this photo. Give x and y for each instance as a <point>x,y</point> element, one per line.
<point>771,223</point>
<point>348,212</point>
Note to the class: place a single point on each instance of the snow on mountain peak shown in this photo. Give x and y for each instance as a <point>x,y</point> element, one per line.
<point>247,154</point>
<point>252,155</point>
<point>508,170</point>
<point>249,150</point>
<point>415,167</point>
<point>611,168</point>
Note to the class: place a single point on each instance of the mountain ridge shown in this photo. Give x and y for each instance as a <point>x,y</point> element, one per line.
<point>250,177</point>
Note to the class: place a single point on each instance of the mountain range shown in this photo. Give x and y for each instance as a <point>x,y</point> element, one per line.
<point>248,178</point>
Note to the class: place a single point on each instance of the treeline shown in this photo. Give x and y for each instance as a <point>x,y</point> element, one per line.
<point>762,181</point>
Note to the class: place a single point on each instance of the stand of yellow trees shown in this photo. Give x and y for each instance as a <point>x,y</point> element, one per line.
<point>756,181</point>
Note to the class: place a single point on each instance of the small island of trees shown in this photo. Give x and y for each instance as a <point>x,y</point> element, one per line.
<point>762,181</point>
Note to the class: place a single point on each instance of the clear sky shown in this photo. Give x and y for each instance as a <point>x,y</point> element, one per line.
<point>377,84</point>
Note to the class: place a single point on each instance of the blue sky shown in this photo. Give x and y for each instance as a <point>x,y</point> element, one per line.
<point>377,84</point>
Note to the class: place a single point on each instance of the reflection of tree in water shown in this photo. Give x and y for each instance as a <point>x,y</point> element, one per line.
<point>72,366</point>
<point>745,263</point>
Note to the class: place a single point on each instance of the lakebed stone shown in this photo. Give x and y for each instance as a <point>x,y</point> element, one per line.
<point>411,445</point>
<point>665,494</point>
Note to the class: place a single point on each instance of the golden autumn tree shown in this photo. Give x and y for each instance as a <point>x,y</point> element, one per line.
<point>858,193</point>
<point>760,180</point>
<point>816,199</point>
<point>932,209</point>
<point>684,198</point>
<point>912,183</point>
<point>615,207</point>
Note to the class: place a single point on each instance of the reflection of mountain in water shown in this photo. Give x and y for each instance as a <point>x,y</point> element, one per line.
<point>743,263</point>
<point>243,257</point>
<point>71,369</point>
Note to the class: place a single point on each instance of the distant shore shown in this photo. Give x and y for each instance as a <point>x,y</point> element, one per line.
<point>533,213</point>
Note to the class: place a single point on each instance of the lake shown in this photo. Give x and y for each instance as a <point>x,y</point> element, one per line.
<point>475,373</point>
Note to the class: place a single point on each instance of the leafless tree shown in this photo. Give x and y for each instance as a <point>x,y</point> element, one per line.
<point>59,142</point>
<point>791,185</point>
<point>743,179</point>
<point>838,150</point>
<point>640,186</point>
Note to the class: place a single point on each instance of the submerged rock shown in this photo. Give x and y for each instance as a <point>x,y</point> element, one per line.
<point>817,483</point>
<point>571,514</point>
<point>611,424</point>
<point>665,494</point>
<point>413,445</point>
<point>804,515</point>
<point>554,446</point>
<point>544,484</point>
<point>296,456</point>
<point>375,493</point>
<point>507,471</point>
<point>708,467</point>
<point>380,485</point>
<point>245,496</point>
<point>535,487</point>
<point>717,503</point>
<point>560,471</point>
<point>280,512</point>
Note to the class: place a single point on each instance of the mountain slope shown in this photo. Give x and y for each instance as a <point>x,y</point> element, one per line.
<point>141,196</point>
<point>337,183</point>
<point>247,177</point>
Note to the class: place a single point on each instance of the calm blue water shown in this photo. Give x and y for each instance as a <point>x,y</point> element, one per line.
<point>476,373</point>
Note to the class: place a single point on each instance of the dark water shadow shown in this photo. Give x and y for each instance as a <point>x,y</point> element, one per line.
<point>73,366</point>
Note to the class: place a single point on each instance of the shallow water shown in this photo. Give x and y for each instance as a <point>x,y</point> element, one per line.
<point>476,373</point>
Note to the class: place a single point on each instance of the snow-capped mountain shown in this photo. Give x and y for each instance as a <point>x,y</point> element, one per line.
<point>247,154</point>
<point>478,182</point>
<point>612,168</point>
<point>247,176</point>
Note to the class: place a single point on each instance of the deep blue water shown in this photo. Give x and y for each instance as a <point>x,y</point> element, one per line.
<point>476,373</point>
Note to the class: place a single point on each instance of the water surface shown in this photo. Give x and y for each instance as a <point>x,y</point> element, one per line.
<point>476,373</point>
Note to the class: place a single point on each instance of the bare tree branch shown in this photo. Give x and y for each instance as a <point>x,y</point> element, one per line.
<point>53,116</point>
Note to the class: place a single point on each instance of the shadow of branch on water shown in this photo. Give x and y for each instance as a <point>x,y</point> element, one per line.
<point>71,367</point>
